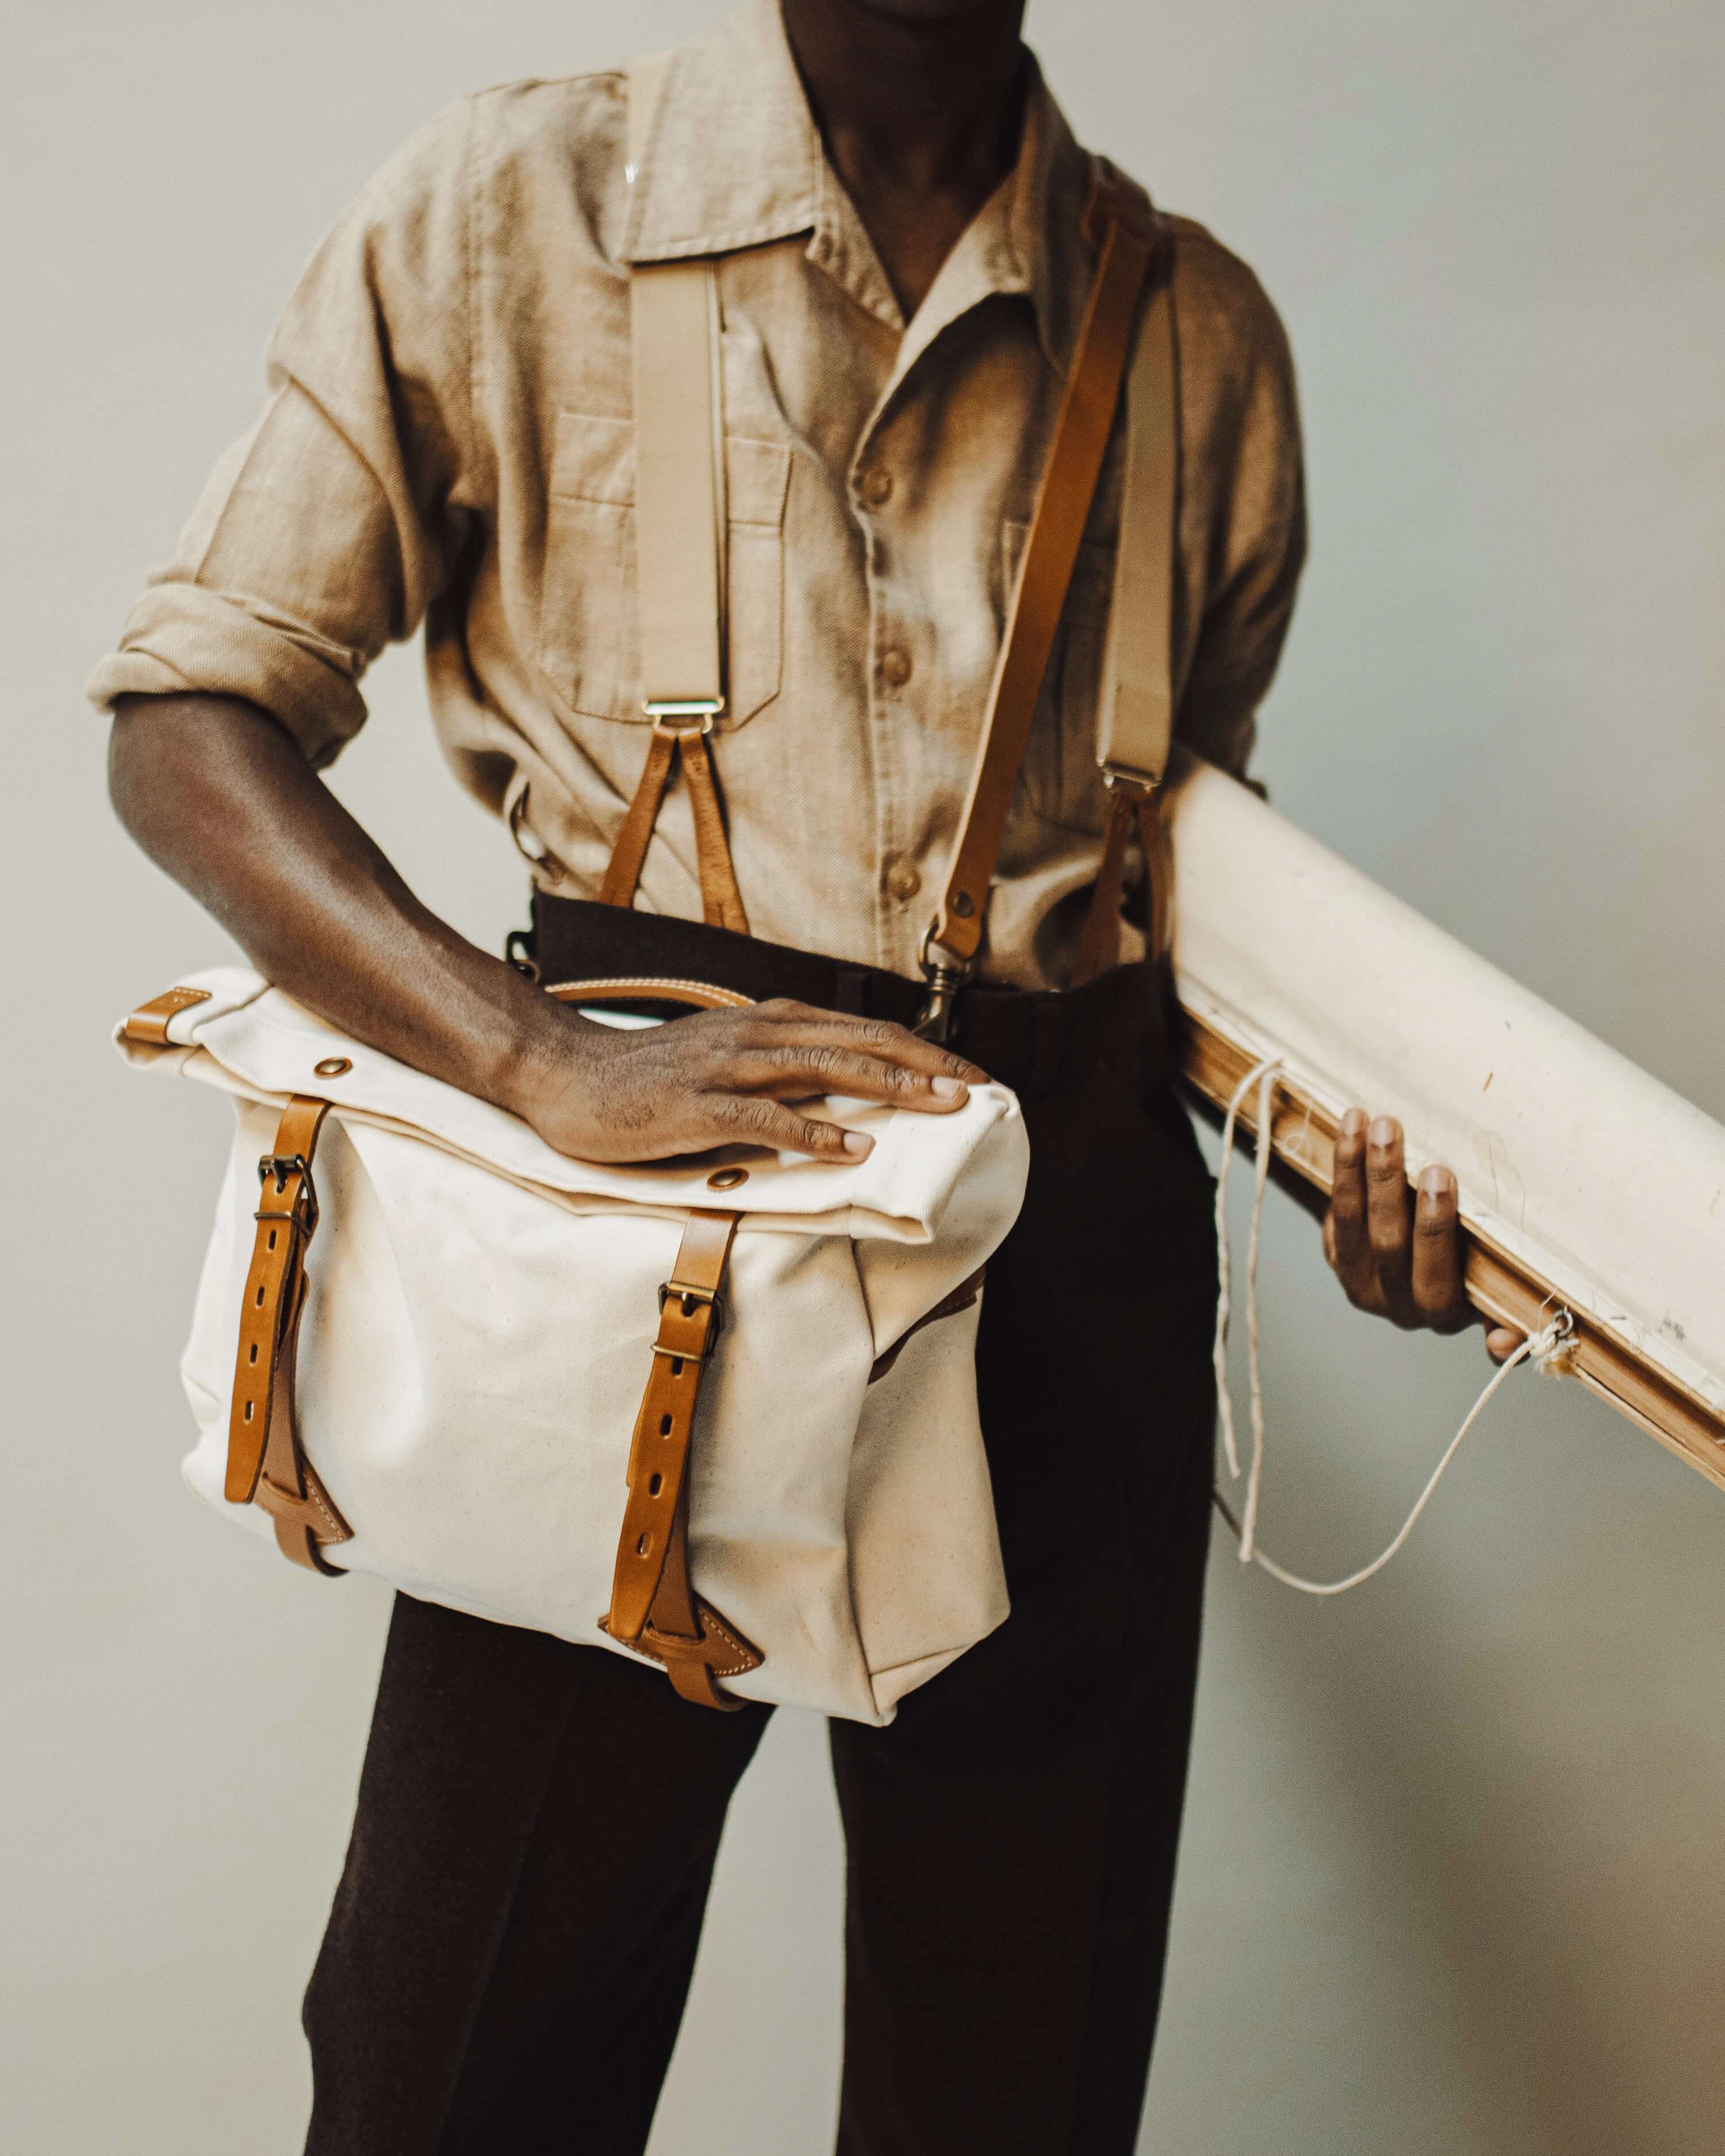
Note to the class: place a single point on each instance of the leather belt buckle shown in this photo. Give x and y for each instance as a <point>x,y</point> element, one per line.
<point>688,1297</point>
<point>281,1166</point>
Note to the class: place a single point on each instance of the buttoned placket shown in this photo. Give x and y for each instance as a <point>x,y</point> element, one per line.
<point>902,654</point>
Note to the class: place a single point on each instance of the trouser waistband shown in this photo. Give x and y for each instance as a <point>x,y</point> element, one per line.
<point>1024,1038</point>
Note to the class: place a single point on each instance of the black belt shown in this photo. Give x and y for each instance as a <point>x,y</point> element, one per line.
<point>1025,1038</point>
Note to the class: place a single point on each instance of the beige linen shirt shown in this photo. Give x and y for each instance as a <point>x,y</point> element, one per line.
<point>448,438</point>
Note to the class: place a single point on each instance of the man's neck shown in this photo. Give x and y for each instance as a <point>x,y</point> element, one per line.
<point>920,109</point>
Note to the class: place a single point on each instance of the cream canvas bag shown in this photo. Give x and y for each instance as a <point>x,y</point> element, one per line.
<point>495,1351</point>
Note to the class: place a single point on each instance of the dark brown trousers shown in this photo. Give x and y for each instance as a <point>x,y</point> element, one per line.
<point>514,1933</point>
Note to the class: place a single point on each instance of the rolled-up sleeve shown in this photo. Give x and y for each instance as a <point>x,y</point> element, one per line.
<point>1253,482</point>
<point>326,532</point>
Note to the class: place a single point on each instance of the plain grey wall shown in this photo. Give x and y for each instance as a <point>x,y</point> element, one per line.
<point>1452,1881</point>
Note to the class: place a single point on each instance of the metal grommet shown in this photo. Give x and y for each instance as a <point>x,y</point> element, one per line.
<point>332,1066</point>
<point>727,1178</point>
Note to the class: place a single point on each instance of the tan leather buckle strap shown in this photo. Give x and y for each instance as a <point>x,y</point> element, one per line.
<point>265,1462</point>
<point>720,900</point>
<point>1099,946</point>
<point>1129,242</point>
<point>653,1607</point>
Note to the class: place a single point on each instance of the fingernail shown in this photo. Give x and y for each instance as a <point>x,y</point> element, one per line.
<point>948,1089</point>
<point>1353,1123</point>
<point>858,1144</point>
<point>1436,1180</point>
<point>1383,1131</point>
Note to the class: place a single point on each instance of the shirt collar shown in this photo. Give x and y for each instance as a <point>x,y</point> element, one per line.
<point>735,160</point>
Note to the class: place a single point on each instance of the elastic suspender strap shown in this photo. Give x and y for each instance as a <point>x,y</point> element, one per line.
<point>1130,240</point>
<point>677,350</point>
<point>680,453</point>
<point>679,485</point>
<point>1135,716</point>
<point>1135,713</point>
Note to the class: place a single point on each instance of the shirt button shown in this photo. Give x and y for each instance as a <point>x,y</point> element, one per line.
<point>903,882</point>
<point>895,667</point>
<point>877,486</point>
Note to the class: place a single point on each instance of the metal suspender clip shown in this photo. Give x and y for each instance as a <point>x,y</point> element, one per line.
<point>945,973</point>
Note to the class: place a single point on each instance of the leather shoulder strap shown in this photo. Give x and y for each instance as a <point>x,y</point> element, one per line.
<point>679,458</point>
<point>1129,239</point>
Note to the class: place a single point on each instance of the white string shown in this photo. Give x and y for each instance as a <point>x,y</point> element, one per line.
<point>1547,1350</point>
<point>1224,1264</point>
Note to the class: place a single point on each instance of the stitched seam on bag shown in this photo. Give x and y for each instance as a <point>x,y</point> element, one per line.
<point>642,1646</point>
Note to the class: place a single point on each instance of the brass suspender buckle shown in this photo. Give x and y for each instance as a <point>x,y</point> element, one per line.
<point>703,710</point>
<point>1134,782</point>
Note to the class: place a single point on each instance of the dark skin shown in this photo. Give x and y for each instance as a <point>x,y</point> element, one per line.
<point>919,103</point>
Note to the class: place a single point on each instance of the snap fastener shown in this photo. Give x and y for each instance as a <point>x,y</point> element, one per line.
<point>727,1178</point>
<point>877,486</point>
<point>332,1066</point>
<point>895,667</point>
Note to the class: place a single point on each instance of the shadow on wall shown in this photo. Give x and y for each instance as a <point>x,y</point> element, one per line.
<point>1588,1886</point>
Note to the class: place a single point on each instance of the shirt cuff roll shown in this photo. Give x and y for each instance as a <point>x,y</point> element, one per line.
<point>187,639</point>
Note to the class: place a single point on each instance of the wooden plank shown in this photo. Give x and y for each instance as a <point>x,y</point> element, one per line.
<point>1499,1286</point>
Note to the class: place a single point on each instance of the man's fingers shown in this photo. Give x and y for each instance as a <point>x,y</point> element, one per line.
<point>784,1024</point>
<point>1435,1272</point>
<point>796,1072</point>
<point>754,1119</point>
<point>1345,1240</point>
<point>1388,1223</point>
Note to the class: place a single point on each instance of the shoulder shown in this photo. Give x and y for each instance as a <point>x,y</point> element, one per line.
<point>560,133</point>
<point>1227,322</point>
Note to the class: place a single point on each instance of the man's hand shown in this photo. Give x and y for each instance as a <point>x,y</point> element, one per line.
<point>724,1077</point>
<point>1398,1254</point>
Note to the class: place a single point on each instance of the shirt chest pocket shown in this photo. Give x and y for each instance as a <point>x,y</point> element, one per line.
<point>1061,781</point>
<point>590,638</point>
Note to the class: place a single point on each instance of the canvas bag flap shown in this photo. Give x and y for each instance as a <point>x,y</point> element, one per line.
<point>957,1179</point>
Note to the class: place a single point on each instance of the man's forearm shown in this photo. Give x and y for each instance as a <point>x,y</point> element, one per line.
<point>219,795</point>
